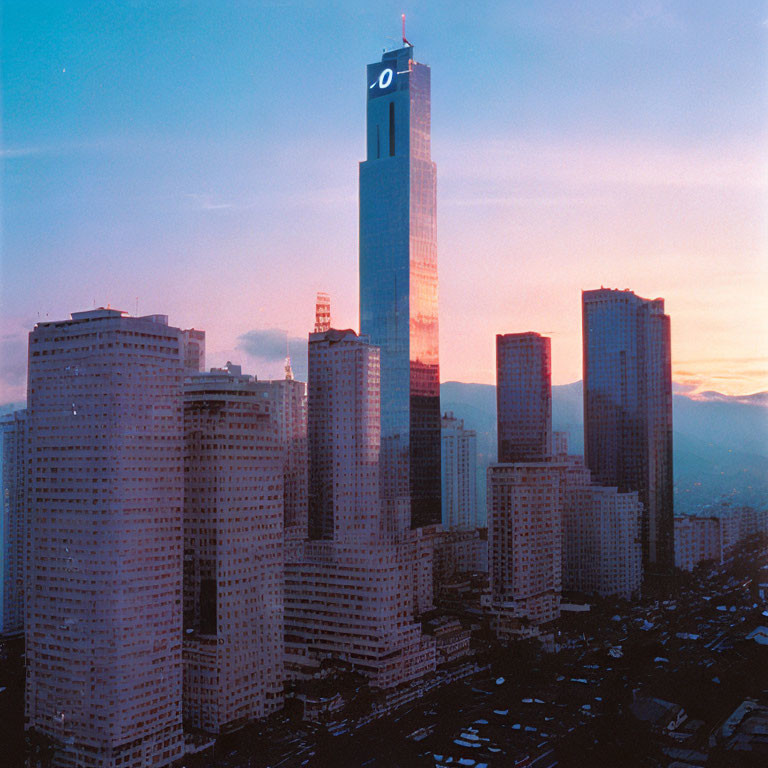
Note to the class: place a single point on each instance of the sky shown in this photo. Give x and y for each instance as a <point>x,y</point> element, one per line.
<point>200,160</point>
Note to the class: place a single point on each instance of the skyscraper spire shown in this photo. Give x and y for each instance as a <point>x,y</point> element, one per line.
<point>405,40</point>
<point>288,369</point>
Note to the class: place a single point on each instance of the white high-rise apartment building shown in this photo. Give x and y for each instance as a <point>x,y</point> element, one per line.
<point>524,546</point>
<point>13,515</point>
<point>459,474</point>
<point>104,562</point>
<point>233,553</point>
<point>599,533</point>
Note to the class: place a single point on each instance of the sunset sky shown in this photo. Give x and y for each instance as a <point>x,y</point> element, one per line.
<point>201,159</point>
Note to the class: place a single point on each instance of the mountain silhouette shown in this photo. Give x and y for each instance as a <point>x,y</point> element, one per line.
<point>720,441</point>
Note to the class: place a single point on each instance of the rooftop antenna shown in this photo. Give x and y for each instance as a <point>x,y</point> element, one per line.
<point>288,369</point>
<point>405,40</point>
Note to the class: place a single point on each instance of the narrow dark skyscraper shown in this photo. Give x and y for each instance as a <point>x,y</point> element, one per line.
<point>398,278</point>
<point>628,409</point>
<point>523,397</point>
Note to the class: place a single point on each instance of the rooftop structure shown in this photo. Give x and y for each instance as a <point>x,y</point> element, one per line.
<point>323,313</point>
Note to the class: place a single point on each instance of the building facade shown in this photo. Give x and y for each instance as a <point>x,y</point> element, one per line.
<point>602,551</point>
<point>713,533</point>
<point>458,553</point>
<point>13,520</point>
<point>233,553</point>
<point>697,540</point>
<point>351,603</point>
<point>524,546</point>
<point>103,617</point>
<point>523,397</point>
<point>398,278</point>
<point>560,442</point>
<point>628,409</point>
<point>286,403</point>
<point>193,345</point>
<point>344,437</point>
<point>458,458</point>
<point>353,594</point>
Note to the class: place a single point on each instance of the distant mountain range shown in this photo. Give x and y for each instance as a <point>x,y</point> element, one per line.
<point>720,442</point>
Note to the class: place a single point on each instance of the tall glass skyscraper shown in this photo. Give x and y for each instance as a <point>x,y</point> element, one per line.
<point>628,409</point>
<point>398,278</point>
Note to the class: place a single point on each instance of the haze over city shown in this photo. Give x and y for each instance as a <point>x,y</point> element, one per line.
<point>201,160</point>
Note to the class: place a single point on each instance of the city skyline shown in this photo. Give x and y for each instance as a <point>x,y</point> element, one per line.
<point>121,172</point>
<point>298,566</point>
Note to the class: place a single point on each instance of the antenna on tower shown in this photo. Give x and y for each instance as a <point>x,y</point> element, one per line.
<point>288,369</point>
<point>405,40</point>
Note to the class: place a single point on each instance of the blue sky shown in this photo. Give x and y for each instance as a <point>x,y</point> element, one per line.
<point>202,158</point>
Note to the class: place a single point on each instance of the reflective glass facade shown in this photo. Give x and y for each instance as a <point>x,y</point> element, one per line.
<point>398,278</point>
<point>628,409</point>
<point>523,397</point>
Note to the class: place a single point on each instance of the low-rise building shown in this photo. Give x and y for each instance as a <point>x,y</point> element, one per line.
<point>744,731</point>
<point>660,714</point>
<point>451,639</point>
<point>714,532</point>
